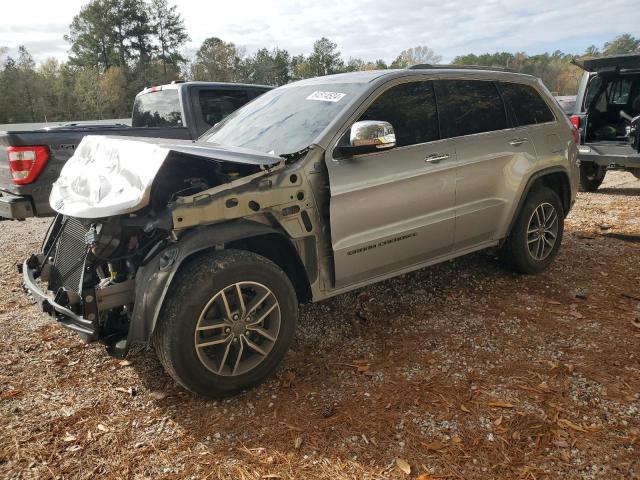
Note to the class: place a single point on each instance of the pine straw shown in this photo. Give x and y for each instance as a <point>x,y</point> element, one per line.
<point>462,370</point>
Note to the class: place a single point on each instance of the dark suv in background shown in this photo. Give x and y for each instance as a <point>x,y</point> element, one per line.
<point>608,99</point>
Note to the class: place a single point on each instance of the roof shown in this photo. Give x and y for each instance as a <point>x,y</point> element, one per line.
<point>180,84</point>
<point>368,76</point>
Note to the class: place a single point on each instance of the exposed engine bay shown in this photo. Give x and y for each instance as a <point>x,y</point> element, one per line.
<point>117,217</point>
<point>114,216</point>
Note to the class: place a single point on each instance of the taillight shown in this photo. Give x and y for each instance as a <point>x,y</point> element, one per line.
<point>26,163</point>
<point>575,121</point>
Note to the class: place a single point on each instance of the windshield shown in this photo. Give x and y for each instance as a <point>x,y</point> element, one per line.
<point>157,109</point>
<point>284,120</point>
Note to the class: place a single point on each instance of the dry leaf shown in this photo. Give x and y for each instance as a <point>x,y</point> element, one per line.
<point>69,438</point>
<point>515,435</point>
<point>497,421</point>
<point>564,455</point>
<point>158,395</point>
<point>561,443</point>
<point>564,423</point>
<point>271,475</point>
<point>456,439</point>
<point>403,465</point>
<point>500,404</point>
<point>74,448</point>
<point>424,476</point>
<point>464,409</point>
<point>544,387</point>
<point>103,428</point>
<point>288,379</point>
<point>434,446</point>
<point>125,363</point>
<point>298,443</point>
<point>363,368</point>
<point>125,390</point>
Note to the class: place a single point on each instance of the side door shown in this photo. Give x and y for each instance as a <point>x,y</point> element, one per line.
<point>491,157</point>
<point>394,209</point>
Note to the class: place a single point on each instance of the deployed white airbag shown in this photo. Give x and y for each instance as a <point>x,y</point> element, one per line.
<point>113,175</point>
<point>107,176</point>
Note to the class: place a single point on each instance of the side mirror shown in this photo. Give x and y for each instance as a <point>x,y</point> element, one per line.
<point>369,136</point>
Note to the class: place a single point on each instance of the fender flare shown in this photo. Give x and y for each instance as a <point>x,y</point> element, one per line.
<point>154,278</point>
<point>527,188</point>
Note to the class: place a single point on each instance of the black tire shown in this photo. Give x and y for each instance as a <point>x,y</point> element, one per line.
<point>591,176</point>
<point>636,173</point>
<point>515,252</point>
<point>192,291</point>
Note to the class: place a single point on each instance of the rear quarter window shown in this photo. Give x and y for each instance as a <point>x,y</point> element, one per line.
<point>466,107</point>
<point>157,109</point>
<point>527,104</point>
<point>217,104</point>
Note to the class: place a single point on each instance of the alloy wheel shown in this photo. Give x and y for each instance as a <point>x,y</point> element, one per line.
<point>237,328</point>
<point>542,231</point>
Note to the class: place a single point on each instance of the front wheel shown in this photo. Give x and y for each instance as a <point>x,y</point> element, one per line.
<point>591,176</point>
<point>227,322</point>
<point>535,238</point>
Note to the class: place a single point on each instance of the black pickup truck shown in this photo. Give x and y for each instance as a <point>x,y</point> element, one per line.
<point>31,160</point>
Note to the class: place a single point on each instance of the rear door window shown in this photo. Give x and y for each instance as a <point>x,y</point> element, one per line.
<point>469,106</point>
<point>411,109</point>
<point>526,103</point>
<point>217,104</point>
<point>157,109</point>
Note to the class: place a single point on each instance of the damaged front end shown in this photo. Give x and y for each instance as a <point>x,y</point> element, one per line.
<point>85,275</point>
<point>113,244</point>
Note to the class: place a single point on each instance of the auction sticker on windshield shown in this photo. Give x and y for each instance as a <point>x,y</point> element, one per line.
<point>326,96</point>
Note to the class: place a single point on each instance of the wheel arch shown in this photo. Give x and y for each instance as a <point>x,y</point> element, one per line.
<point>154,278</point>
<point>555,178</point>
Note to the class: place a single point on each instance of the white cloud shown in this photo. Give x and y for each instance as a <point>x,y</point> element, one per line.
<point>362,28</point>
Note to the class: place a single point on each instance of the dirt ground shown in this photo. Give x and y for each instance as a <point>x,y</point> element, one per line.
<point>463,370</point>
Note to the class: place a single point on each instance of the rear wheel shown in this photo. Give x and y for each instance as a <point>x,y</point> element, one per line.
<point>636,173</point>
<point>537,233</point>
<point>227,322</point>
<point>591,176</point>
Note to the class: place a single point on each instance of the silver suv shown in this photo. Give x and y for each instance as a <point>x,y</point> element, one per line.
<point>313,189</point>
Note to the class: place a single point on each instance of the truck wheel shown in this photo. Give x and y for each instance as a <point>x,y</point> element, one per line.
<point>591,176</point>
<point>636,173</point>
<point>537,233</point>
<point>226,323</point>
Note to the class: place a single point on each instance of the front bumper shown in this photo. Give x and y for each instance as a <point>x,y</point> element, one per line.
<point>15,206</point>
<point>30,271</point>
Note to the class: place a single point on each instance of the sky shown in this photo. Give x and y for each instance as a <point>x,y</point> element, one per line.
<point>361,28</point>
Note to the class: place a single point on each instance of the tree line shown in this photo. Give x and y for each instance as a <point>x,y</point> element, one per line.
<point>118,47</point>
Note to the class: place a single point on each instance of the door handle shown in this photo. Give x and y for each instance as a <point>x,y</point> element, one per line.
<point>436,157</point>
<point>518,141</point>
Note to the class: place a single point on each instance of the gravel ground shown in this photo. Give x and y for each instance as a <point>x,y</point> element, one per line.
<point>463,370</point>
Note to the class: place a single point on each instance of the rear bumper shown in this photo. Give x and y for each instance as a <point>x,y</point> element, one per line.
<point>608,157</point>
<point>15,207</point>
<point>30,271</point>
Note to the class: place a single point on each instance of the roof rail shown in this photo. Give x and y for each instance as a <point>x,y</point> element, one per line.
<point>425,66</point>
